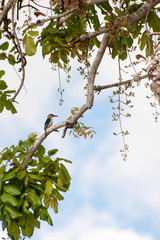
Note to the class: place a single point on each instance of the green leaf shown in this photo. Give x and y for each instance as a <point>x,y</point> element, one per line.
<point>30,46</point>
<point>2,170</point>
<point>34,199</point>
<point>2,72</point>
<point>143,41</point>
<point>32,137</point>
<point>63,159</point>
<point>59,186</point>
<point>129,41</point>
<point>44,215</point>
<point>12,211</point>
<point>35,176</point>
<point>123,56</point>
<point>8,176</point>
<point>54,204</point>
<point>37,187</point>
<point>45,159</point>
<point>11,59</point>
<point>8,104</point>
<point>1,104</point>
<point>52,152</point>
<point>114,51</point>
<point>4,46</point>
<point>12,189</point>
<point>47,200</point>
<point>3,84</point>
<point>7,198</point>
<point>57,194</point>
<point>64,57</point>
<point>13,109</point>
<point>26,207</point>
<point>69,38</point>
<point>2,56</point>
<point>8,92</point>
<point>21,174</point>
<point>33,33</point>
<point>105,6</point>
<point>64,176</point>
<point>54,57</point>
<point>41,150</point>
<point>12,229</point>
<point>4,224</point>
<point>12,49</point>
<point>30,223</point>
<point>48,187</point>
<point>154,21</point>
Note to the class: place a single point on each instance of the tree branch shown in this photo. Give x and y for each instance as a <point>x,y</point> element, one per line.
<point>23,62</point>
<point>5,10</point>
<point>124,21</point>
<point>90,85</point>
<point>89,2</point>
<point>86,106</point>
<point>40,140</point>
<point>91,35</point>
<point>127,21</point>
<point>40,22</point>
<point>135,79</point>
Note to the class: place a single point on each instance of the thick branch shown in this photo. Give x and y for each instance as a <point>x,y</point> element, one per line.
<point>89,2</point>
<point>40,140</point>
<point>93,70</point>
<point>86,106</point>
<point>127,21</point>
<point>90,85</point>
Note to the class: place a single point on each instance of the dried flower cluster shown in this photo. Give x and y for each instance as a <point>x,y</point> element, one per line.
<point>154,75</point>
<point>67,4</point>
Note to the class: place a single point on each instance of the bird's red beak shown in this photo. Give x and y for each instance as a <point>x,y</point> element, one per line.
<point>54,115</point>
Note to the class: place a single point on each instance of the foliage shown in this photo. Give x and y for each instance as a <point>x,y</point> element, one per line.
<point>4,100</point>
<point>26,192</point>
<point>79,129</point>
<point>67,30</point>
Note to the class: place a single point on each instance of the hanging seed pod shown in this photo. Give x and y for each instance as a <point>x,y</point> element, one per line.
<point>154,75</point>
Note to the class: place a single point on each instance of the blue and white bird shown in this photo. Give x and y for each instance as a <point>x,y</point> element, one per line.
<point>49,122</point>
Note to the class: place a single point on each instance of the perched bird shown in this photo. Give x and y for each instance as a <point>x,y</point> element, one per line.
<point>49,122</point>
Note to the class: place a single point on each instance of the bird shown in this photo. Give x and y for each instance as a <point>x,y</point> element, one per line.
<point>49,122</point>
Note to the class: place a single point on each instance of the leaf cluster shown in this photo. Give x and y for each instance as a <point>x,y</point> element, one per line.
<point>26,193</point>
<point>5,96</point>
<point>5,53</point>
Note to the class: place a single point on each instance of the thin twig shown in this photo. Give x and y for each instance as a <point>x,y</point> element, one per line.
<point>23,62</point>
<point>135,79</point>
<point>147,31</point>
<point>153,33</point>
<point>49,8</point>
<point>40,22</point>
<point>119,107</point>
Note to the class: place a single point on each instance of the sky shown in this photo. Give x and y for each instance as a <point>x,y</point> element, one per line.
<point>108,198</point>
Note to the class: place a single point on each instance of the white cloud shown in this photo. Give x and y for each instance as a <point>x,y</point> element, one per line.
<point>89,224</point>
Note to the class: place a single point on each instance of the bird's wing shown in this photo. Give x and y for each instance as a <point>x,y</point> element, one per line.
<point>47,122</point>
